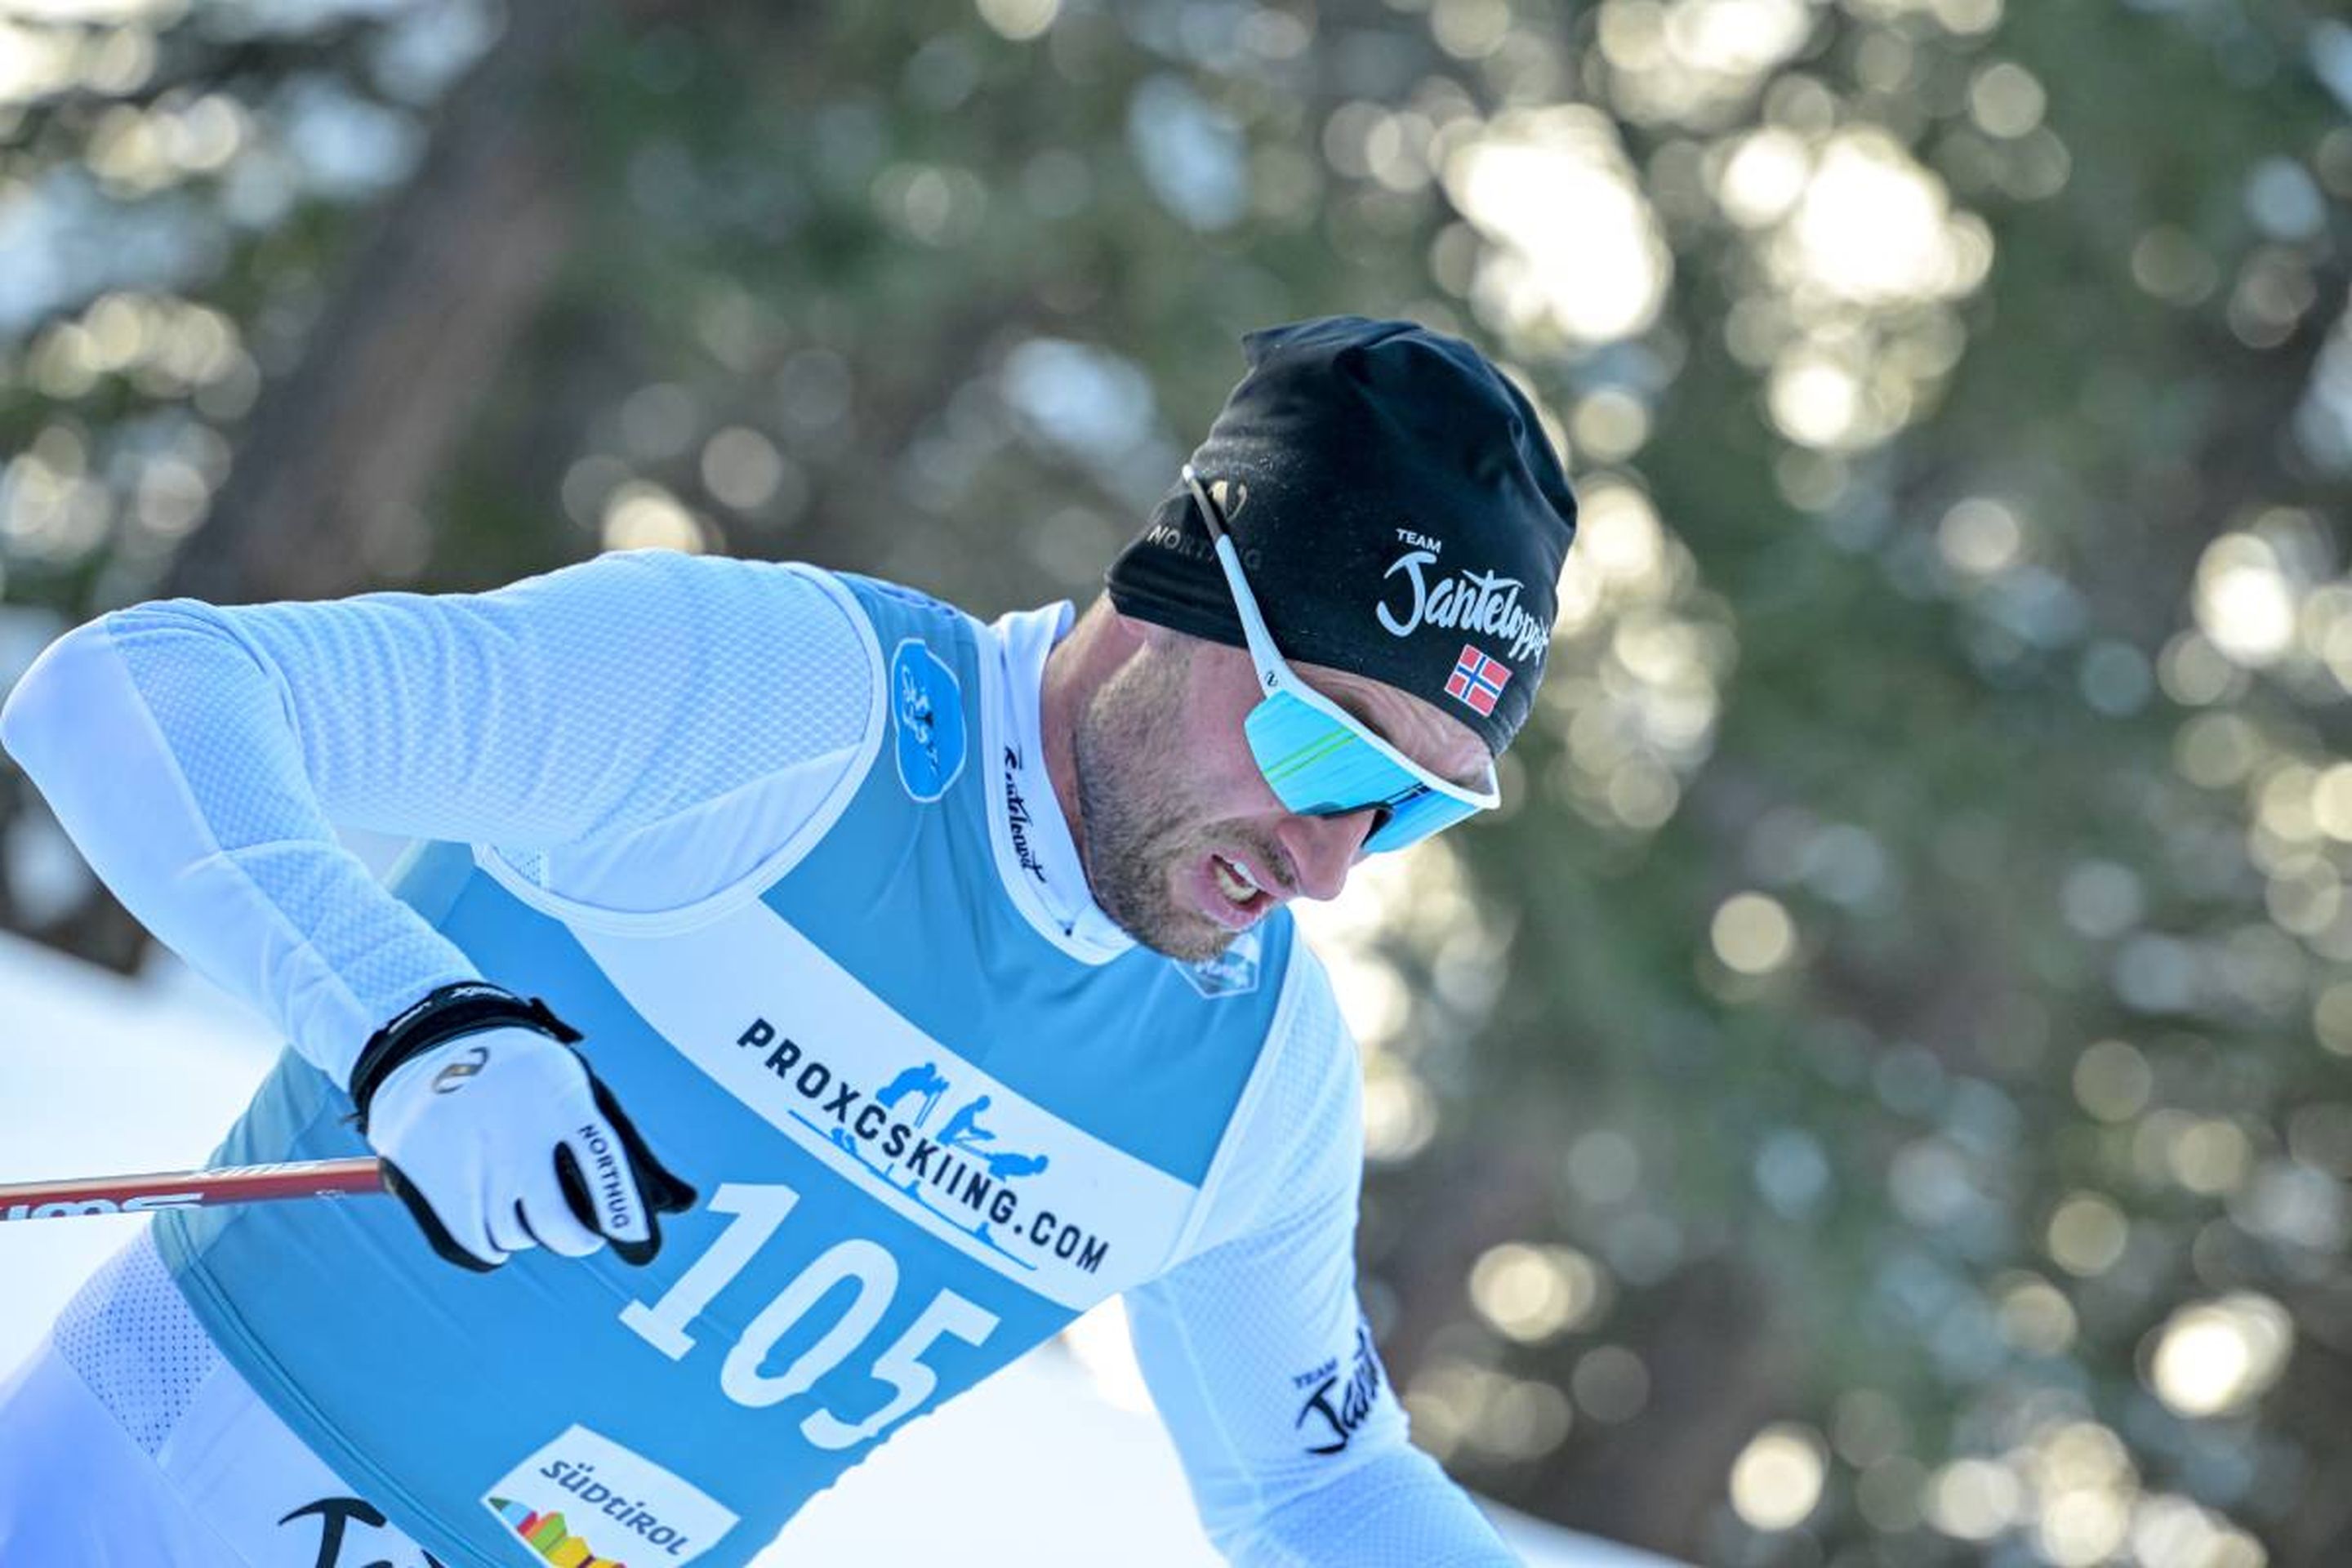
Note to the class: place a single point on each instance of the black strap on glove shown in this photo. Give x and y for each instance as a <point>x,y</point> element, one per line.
<point>467,1008</point>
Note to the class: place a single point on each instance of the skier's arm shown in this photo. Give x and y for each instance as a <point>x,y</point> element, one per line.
<point>1257,1353</point>
<point>198,754</point>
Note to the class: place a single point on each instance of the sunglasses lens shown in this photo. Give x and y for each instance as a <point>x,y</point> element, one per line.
<point>1318,766</point>
<point>1314,765</point>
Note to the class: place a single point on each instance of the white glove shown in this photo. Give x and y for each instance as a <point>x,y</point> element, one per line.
<point>503,1138</point>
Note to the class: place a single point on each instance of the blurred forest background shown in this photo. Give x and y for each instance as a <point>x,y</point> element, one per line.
<point>1880,1095</point>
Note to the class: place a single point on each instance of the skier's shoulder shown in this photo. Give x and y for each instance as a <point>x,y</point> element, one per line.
<point>1307,1019</point>
<point>1311,1076</point>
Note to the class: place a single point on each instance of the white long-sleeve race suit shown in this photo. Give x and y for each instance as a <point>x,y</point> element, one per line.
<point>636,747</point>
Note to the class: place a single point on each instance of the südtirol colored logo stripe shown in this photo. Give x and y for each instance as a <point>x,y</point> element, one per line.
<point>547,1534</point>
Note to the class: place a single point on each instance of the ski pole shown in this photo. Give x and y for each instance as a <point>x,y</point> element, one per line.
<point>189,1189</point>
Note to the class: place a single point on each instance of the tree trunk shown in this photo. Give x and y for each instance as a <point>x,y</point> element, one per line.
<point>326,494</point>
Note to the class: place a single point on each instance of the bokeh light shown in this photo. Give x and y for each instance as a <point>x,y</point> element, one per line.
<point>1019,20</point>
<point>2087,1234</point>
<point>641,515</point>
<point>2113,1080</point>
<point>1974,1499</point>
<point>1777,1480</point>
<point>1573,243</point>
<point>2213,1358</point>
<point>2244,602</point>
<point>1535,1293</point>
<point>1752,934</point>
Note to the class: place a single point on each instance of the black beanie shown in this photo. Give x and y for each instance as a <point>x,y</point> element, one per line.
<point>1397,512</point>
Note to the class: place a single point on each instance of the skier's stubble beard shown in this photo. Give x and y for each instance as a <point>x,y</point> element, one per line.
<point>1140,817</point>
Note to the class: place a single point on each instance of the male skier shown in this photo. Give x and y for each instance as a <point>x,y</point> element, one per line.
<point>756,1083</point>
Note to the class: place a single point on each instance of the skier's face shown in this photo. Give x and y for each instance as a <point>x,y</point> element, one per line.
<point>1185,846</point>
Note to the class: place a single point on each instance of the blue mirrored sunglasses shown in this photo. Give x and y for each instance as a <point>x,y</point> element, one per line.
<point>1317,758</point>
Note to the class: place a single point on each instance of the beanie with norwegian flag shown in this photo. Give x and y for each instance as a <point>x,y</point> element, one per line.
<point>1398,511</point>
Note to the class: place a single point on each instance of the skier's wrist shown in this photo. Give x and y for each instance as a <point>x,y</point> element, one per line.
<point>446,1014</point>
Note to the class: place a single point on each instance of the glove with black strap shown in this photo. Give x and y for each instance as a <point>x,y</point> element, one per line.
<point>499,1136</point>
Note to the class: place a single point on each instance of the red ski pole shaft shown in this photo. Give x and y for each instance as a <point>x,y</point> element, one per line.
<point>189,1189</point>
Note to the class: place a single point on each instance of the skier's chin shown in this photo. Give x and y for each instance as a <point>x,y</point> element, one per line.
<point>1166,924</point>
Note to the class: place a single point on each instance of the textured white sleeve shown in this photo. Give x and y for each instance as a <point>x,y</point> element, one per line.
<point>1256,1351</point>
<point>198,754</point>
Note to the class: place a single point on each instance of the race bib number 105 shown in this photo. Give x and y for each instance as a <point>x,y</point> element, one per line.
<point>758,1210</point>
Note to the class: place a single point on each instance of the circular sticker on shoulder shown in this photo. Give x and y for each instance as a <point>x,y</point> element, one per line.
<point>927,712</point>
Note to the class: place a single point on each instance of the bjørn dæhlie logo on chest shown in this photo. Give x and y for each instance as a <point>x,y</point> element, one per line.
<point>927,716</point>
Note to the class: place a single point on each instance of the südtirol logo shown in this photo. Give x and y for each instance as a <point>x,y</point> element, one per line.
<point>1414,596</point>
<point>584,1501</point>
<point>927,711</point>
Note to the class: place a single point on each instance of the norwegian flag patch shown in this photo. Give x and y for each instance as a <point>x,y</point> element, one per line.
<point>1477,681</point>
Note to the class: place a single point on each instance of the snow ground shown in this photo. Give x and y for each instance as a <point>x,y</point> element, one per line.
<point>101,1076</point>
